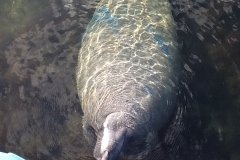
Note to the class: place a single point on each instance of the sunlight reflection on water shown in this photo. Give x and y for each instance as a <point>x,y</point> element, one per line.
<point>40,115</point>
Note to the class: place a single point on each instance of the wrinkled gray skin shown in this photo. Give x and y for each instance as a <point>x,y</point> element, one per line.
<point>127,77</point>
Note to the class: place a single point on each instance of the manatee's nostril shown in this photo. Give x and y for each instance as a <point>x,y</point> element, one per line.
<point>105,155</point>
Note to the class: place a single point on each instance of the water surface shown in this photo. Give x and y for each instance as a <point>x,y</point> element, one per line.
<point>40,115</point>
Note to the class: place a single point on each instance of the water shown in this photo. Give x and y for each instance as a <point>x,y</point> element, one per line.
<point>40,115</point>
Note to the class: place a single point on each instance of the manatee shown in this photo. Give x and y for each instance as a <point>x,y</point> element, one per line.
<point>127,76</point>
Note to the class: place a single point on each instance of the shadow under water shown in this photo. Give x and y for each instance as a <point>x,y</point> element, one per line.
<point>40,114</point>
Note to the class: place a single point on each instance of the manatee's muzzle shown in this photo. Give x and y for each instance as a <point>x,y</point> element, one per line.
<point>113,140</point>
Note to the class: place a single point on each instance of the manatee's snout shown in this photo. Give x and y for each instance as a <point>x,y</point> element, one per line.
<point>114,138</point>
<point>112,143</point>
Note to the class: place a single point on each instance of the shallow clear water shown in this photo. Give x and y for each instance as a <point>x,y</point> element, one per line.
<point>40,115</point>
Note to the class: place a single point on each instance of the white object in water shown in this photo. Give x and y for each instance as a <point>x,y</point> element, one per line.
<point>9,156</point>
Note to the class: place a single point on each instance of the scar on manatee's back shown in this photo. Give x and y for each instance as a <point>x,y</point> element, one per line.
<point>160,40</point>
<point>104,15</point>
<point>161,43</point>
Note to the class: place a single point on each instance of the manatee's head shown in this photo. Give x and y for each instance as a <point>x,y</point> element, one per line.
<point>115,137</point>
<point>112,143</point>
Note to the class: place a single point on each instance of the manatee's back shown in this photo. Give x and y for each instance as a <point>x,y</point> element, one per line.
<point>128,62</point>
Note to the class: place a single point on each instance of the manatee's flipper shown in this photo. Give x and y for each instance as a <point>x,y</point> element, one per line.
<point>174,140</point>
<point>171,146</point>
<point>158,153</point>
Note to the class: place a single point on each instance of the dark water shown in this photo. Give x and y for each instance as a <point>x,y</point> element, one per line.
<point>40,115</point>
